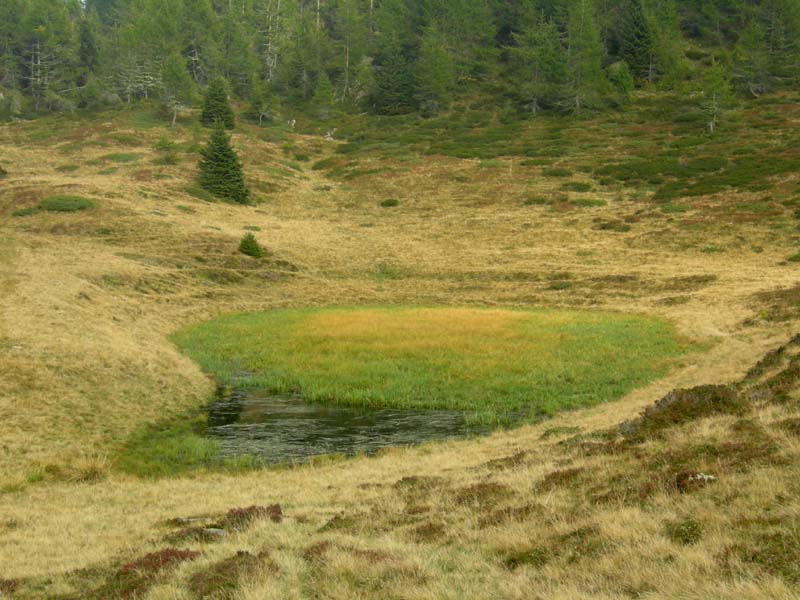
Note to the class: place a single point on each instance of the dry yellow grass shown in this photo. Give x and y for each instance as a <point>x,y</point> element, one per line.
<point>87,301</point>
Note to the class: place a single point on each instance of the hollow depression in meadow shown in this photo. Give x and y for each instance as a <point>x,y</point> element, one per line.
<point>487,365</point>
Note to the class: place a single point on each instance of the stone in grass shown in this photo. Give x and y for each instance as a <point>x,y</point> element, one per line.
<point>250,246</point>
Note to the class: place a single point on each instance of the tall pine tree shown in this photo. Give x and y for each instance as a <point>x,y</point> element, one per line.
<point>220,170</point>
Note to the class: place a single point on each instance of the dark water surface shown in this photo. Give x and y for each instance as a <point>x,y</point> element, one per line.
<point>282,429</point>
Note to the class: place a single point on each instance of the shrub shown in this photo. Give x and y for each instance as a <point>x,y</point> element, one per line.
<point>576,186</point>
<point>250,246</point>
<point>794,257</point>
<point>588,202</point>
<point>25,212</point>
<point>65,204</point>
<point>674,208</point>
<point>196,191</point>
<point>684,532</point>
<point>537,201</point>
<point>390,203</point>
<point>3,173</point>
<point>122,157</point>
<point>168,151</point>
<point>165,145</point>
<point>683,405</point>
<point>557,172</point>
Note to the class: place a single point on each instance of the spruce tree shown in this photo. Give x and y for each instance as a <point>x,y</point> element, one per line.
<point>752,60</point>
<point>717,95</point>
<point>537,65</point>
<point>393,93</point>
<point>220,169</point>
<point>215,105</point>
<point>434,71</point>
<point>324,97</point>
<point>585,80</point>
<point>636,45</point>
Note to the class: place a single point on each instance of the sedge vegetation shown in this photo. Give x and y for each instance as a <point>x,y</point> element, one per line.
<point>482,361</point>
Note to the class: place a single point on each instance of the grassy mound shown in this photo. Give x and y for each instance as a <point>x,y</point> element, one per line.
<point>65,204</point>
<point>472,359</point>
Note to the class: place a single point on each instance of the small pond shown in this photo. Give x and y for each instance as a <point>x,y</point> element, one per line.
<point>281,429</point>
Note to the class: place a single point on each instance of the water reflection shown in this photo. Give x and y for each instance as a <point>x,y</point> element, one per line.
<point>286,429</point>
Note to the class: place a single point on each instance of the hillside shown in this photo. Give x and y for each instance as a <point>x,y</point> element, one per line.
<point>625,211</point>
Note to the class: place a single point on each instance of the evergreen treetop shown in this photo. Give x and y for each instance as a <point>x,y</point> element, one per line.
<point>215,105</point>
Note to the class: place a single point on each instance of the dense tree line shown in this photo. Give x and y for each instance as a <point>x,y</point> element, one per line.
<point>387,56</point>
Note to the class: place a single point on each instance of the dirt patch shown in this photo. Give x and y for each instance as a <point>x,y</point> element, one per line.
<point>221,580</point>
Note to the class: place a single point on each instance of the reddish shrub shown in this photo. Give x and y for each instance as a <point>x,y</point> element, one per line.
<point>156,561</point>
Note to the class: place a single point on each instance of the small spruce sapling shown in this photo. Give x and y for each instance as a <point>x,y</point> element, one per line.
<point>250,246</point>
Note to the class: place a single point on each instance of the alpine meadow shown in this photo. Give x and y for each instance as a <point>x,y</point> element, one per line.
<point>400,299</point>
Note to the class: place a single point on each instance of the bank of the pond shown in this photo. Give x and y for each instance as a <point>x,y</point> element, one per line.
<point>485,361</point>
<point>176,447</point>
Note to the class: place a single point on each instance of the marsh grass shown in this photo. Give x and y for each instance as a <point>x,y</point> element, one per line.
<point>471,359</point>
<point>176,447</point>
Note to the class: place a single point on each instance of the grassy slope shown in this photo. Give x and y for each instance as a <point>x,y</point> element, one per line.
<point>485,361</point>
<point>90,298</point>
